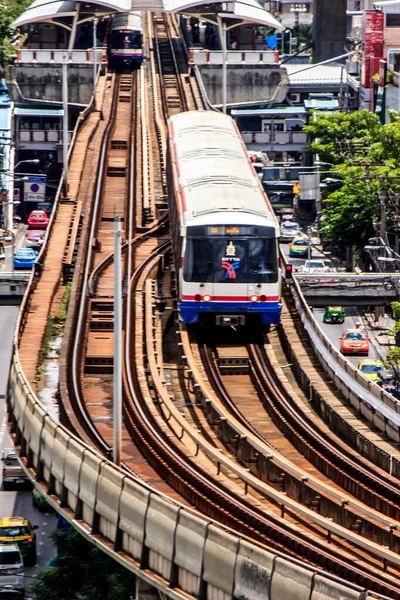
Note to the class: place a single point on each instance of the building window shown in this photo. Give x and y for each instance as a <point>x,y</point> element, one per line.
<point>392,20</point>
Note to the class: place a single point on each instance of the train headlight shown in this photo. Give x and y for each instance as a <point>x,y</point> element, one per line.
<point>254,298</point>
<point>263,298</point>
<point>197,297</point>
<point>206,298</point>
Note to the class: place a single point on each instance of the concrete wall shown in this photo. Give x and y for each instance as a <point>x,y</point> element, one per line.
<point>43,82</point>
<point>246,83</point>
<point>329,29</point>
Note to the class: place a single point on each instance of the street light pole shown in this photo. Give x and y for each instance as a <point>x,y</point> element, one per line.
<point>65,120</point>
<point>94,59</point>
<point>224,68</point>
<point>117,399</point>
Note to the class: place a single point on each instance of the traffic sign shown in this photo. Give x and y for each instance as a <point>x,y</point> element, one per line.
<point>35,188</point>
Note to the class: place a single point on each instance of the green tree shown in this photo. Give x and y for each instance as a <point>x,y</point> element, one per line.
<point>341,137</point>
<point>10,10</point>
<point>82,571</point>
<point>392,362</point>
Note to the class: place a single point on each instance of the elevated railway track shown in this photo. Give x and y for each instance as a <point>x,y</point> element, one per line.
<point>186,436</point>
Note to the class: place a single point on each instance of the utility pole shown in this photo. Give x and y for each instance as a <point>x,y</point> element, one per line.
<point>396,222</point>
<point>382,223</point>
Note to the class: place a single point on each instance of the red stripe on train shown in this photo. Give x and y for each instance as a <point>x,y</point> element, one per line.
<point>233,298</point>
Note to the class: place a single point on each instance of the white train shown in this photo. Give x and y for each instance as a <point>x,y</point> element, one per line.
<point>125,48</point>
<point>224,232</point>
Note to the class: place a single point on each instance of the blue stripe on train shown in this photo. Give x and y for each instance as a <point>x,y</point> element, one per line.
<point>269,311</point>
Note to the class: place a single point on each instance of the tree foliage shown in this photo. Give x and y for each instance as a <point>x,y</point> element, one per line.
<point>82,571</point>
<point>10,10</point>
<point>365,156</point>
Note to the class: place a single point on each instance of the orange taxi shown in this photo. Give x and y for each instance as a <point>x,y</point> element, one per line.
<point>354,341</point>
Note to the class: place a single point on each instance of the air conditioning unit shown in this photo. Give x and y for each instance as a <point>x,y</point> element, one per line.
<point>295,98</point>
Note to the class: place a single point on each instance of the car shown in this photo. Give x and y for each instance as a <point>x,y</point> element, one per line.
<point>13,474</point>
<point>46,206</point>
<point>38,219</point>
<point>40,502</point>
<point>315,266</point>
<point>17,530</point>
<point>289,231</point>
<point>334,314</point>
<point>35,238</point>
<point>287,218</point>
<point>11,571</point>
<point>354,341</point>
<point>387,381</point>
<point>24,258</point>
<point>370,369</point>
<point>299,247</point>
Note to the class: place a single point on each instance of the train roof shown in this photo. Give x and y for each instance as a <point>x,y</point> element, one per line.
<point>214,173</point>
<point>130,20</point>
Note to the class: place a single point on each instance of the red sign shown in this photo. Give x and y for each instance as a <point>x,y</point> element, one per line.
<point>373,43</point>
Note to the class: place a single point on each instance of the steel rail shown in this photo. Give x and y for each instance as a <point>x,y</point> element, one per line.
<point>80,323</point>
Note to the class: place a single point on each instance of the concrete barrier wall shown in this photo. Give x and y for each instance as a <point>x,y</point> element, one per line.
<point>166,544</point>
<point>376,405</point>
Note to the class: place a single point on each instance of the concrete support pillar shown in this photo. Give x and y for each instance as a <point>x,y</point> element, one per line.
<point>145,591</point>
<point>329,29</point>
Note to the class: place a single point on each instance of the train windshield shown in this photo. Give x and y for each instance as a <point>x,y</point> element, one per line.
<point>230,260</point>
<point>124,40</point>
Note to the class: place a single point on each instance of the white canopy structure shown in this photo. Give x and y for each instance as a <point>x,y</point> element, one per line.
<point>67,12</point>
<point>392,7</point>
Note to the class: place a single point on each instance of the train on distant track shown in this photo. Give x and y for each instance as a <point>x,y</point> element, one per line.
<point>125,47</point>
<point>224,231</point>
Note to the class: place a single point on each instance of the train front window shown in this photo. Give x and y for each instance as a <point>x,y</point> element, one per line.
<point>199,260</point>
<point>230,260</point>
<point>127,40</point>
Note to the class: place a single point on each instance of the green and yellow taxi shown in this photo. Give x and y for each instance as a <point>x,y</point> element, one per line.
<point>299,247</point>
<point>370,369</point>
<point>334,314</point>
<point>17,530</point>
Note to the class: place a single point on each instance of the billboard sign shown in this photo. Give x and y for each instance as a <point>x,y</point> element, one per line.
<point>35,188</point>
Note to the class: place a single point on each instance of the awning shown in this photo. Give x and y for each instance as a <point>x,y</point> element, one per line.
<point>38,112</point>
<point>392,7</point>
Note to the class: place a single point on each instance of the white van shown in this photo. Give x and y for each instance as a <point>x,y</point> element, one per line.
<point>11,569</point>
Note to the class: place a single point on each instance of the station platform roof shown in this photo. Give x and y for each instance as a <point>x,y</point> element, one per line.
<point>68,13</point>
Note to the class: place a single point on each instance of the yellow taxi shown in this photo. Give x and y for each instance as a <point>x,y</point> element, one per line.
<point>299,247</point>
<point>17,530</point>
<point>370,369</point>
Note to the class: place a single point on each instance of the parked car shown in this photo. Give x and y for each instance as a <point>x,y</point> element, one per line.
<point>13,473</point>
<point>17,530</point>
<point>334,314</point>
<point>24,258</point>
<point>40,502</point>
<point>289,231</point>
<point>299,247</point>
<point>38,219</point>
<point>35,238</point>
<point>370,369</point>
<point>315,266</point>
<point>12,581</point>
<point>354,341</point>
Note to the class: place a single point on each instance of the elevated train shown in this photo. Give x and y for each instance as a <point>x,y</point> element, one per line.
<point>224,231</point>
<point>125,47</point>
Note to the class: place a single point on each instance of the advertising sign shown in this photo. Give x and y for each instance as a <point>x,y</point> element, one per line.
<point>373,43</point>
<point>35,188</point>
